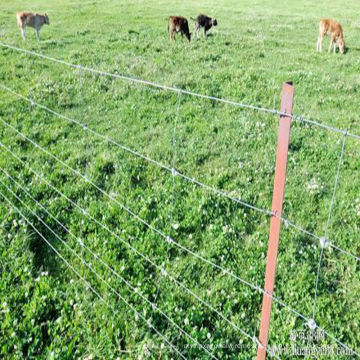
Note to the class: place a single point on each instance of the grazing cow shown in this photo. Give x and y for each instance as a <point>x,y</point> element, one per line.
<point>33,20</point>
<point>203,21</point>
<point>334,29</point>
<point>178,24</point>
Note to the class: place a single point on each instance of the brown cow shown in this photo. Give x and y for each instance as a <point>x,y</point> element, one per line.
<point>179,24</point>
<point>33,20</point>
<point>334,29</point>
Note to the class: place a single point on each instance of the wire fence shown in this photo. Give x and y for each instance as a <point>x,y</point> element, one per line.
<point>171,241</point>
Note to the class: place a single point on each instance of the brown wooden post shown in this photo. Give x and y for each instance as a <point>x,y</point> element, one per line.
<point>287,97</point>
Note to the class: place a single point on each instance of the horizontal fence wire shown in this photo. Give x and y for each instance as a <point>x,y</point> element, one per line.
<point>300,118</point>
<point>175,172</point>
<point>87,283</point>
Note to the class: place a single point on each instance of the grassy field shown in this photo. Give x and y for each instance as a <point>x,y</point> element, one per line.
<point>46,311</point>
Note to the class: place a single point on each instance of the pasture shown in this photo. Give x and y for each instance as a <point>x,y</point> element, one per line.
<point>47,312</point>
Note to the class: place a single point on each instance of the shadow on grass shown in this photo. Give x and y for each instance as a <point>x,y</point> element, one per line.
<point>44,256</point>
<point>352,49</point>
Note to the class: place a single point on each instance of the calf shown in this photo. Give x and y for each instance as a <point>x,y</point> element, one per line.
<point>203,21</point>
<point>178,24</point>
<point>334,29</point>
<point>33,20</point>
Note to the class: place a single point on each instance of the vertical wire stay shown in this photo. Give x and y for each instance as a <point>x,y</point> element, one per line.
<point>79,73</point>
<point>80,116</point>
<point>173,171</point>
<point>323,241</point>
<point>97,275</point>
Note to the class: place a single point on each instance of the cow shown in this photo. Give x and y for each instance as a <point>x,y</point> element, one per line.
<point>206,22</point>
<point>334,29</point>
<point>33,20</point>
<point>178,24</point>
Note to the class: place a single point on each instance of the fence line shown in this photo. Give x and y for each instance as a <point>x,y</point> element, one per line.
<point>299,118</point>
<point>70,266</point>
<point>225,271</point>
<point>97,257</point>
<point>324,242</point>
<point>174,172</point>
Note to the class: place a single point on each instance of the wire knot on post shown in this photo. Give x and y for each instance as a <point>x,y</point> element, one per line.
<point>273,213</point>
<point>257,342</point>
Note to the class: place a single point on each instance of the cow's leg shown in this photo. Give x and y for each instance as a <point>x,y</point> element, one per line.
<point>332,42</point>
<point>204,32</point>
<point>37,34</point>
<point>321,42</point>
<point>196,30</point>
<point>318,44</point>
<point>23,32</point>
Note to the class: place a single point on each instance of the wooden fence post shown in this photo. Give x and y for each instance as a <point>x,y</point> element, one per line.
<point>287,97</point>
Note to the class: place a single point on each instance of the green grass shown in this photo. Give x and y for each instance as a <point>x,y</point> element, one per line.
<point>256,47</point>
